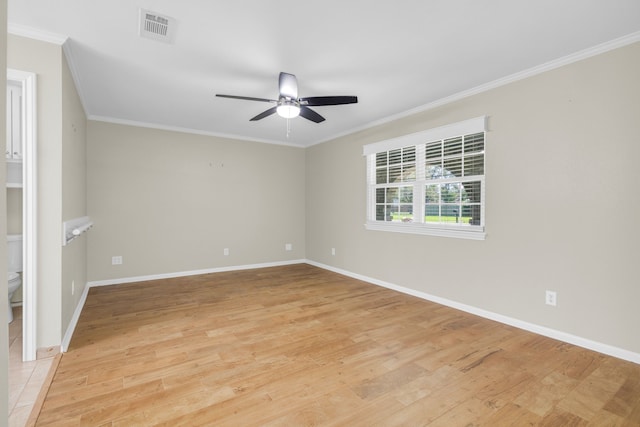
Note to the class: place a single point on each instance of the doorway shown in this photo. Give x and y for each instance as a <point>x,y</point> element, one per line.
<point>26,82</point>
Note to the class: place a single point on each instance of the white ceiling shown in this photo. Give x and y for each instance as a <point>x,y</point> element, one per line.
<point>396,56</point>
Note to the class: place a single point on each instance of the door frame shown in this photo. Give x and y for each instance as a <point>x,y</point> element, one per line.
<point>29,211</point>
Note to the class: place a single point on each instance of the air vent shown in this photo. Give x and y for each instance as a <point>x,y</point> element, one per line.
<point>157,27</point>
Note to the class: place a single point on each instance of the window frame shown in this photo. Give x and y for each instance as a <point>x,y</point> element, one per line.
<point>420,141</point>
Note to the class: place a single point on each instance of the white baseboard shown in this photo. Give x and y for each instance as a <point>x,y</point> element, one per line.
<point>66,340</point>
<point>607,349</point>
<point>191,273</point>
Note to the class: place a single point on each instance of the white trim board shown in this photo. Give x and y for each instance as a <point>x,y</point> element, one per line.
<point>66,340</point>
<point>109,282</point>
<point>28,81</point>
<point>607,349</point>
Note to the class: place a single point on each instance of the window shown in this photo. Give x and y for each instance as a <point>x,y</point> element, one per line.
<point>429,182</point>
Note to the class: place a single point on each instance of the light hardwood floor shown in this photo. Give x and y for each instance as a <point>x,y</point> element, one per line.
<point>301,346</point>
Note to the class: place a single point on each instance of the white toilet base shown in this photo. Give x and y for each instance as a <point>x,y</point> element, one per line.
<point>10,313</point>
<point>12,287</point>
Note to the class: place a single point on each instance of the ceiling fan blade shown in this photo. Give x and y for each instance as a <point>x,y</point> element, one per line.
<point>288,85</point>
<point>309,114</point>
<point>264,114</point>
<point>328,100</point>
<point>246,98</point>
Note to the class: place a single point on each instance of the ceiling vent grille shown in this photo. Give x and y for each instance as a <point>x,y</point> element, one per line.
<point>157,27</point>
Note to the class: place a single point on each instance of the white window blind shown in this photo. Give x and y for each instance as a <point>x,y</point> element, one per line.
<point>429,182</point>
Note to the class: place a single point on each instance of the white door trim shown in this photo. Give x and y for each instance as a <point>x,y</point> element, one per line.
<point>29,211</point>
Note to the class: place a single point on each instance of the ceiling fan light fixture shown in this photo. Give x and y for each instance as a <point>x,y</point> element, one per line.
<point>288,110</point>
<point>288,105</point>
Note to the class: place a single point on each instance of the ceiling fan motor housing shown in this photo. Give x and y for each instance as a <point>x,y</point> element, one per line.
<point>288,107</point>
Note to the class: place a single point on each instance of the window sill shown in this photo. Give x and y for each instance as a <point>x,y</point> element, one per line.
<point>471,233</point>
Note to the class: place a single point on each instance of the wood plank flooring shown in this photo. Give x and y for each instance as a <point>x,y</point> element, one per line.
<point>301,346</point>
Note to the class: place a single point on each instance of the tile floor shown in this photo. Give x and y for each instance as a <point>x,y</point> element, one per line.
<point>25,378</point>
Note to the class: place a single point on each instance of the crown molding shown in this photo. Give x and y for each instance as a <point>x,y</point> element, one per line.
<point>157,126</point>
<point>36,34</point>
<point>539,69</point>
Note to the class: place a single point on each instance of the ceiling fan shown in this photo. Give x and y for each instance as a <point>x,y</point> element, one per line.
<point>288,105</point>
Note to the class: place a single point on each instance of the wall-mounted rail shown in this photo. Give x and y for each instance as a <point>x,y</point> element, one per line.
<point>75,227</point>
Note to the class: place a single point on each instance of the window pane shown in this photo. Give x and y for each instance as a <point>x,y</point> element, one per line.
<point>432,213</point>
<point>473,213</point>
<point>395,174</point>
<point>399,213</point>
<point>406,195</point>
<point>450,193</point>
<point>406,209</point>
<point>433,171</point>
<point>445,164</point>
<point>472,192</point>
<point>453,146</point>
<point>432,194</point>
<point>405,214</point>
<point>409,154</point>
<point>433,150</point>
<point>453,167</point>
<point>468,215</point>
<point>409,173</point>
<point>395,156</point>
<point>392,195</point>
<point>449,213</point>
<point>409,164</point>
<point>474,143</point>
<point>474,165</point>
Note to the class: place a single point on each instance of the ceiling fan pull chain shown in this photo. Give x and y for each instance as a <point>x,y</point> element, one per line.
<point>288,127</point>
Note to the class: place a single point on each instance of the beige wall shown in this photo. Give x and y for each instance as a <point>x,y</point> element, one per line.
<point>14,210</point>
<point>562,204</point>
<point>170,202</point>
<point>74,195</point>
<point>4,330</point>
<point>45,59</point>
<point>14,224</point>
<point>61,182</point>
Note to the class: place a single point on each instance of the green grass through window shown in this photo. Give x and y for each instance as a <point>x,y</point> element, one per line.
<point>405,217</point>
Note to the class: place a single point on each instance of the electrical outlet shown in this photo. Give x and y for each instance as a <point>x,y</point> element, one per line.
<point>333,251</point>
<point>73,287</point>
<point>116,260</point>
<point>226,251</point>
<point>551,298</point>
<point>288,247</point>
